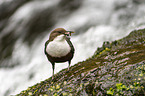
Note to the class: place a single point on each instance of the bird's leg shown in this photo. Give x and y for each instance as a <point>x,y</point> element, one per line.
<point>53,65</point>
<point>69,64</point>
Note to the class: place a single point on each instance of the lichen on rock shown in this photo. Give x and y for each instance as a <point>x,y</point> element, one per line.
<point>116,68</point>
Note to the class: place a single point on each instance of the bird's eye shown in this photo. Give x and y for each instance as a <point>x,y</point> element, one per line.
<point>58,31</point>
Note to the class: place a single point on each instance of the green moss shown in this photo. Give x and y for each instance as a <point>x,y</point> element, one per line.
<point>110,91</point>
<point>136,84</point>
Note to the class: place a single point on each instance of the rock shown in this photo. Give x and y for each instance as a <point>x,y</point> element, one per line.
<point>117,68</point>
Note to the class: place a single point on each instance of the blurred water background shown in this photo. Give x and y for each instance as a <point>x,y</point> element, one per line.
<point>25,26</point>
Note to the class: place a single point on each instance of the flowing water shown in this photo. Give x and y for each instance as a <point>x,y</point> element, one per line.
<point>93,21</point>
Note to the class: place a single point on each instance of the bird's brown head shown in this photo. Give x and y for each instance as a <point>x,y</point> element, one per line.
<point>59,31</point>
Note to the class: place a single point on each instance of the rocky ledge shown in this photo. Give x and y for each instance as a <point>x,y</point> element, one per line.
<point>117,68</point>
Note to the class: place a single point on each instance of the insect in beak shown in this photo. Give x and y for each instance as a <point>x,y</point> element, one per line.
<point>68,33</point>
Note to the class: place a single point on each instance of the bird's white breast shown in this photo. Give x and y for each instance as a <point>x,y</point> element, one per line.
<point>58,47</point>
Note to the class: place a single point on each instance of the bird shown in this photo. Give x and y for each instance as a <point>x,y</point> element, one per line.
<point>59,48</point>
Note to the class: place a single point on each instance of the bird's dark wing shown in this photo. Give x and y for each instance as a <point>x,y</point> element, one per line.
<point>71,45</point>
<point>46,43</point>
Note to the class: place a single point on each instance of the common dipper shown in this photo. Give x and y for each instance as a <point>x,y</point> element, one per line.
<point>59,47</point>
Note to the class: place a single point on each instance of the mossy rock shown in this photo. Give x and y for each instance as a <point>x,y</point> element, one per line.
<point>117,68</point>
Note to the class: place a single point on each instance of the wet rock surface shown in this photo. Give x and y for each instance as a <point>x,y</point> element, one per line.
<point>117,68</point>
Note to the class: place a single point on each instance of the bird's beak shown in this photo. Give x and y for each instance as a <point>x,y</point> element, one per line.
<point>68,33</point>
